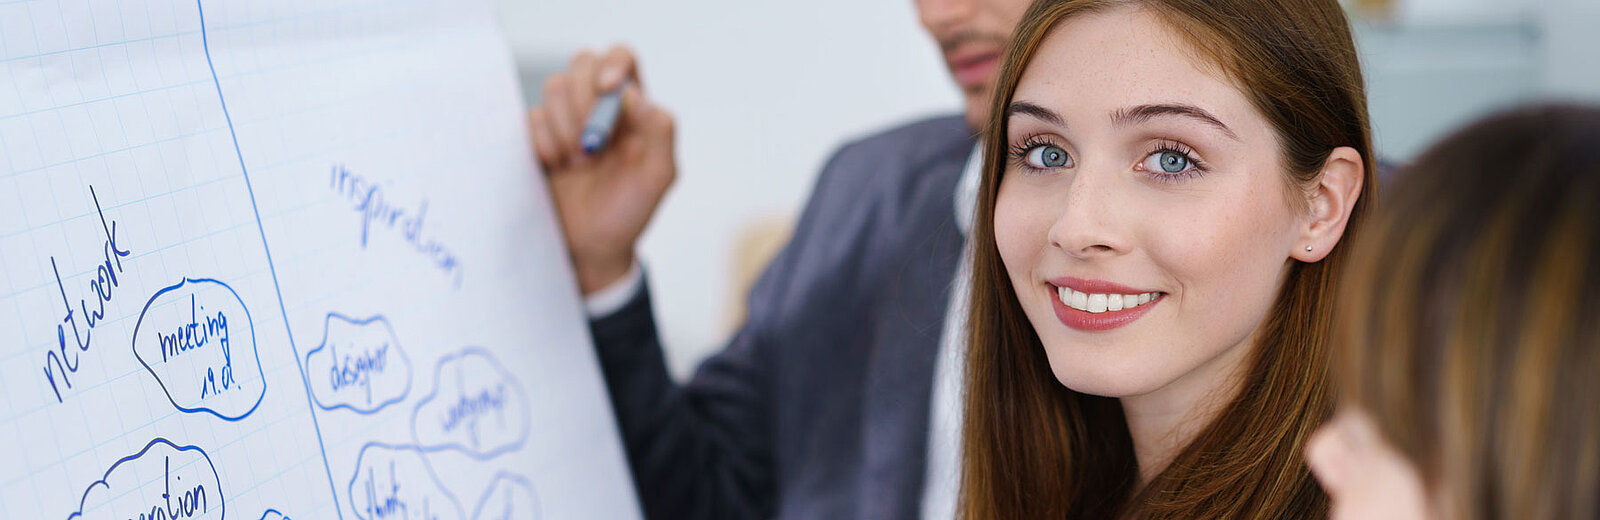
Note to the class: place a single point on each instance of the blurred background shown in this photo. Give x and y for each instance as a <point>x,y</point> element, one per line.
<point>764,90</point>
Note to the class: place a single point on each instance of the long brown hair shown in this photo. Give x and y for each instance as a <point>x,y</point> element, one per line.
<point>1470,320</point>
<point>1036,449</point>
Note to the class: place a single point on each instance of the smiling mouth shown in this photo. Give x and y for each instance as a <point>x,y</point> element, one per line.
<point>1098,312</point>
<point>1097,303</point>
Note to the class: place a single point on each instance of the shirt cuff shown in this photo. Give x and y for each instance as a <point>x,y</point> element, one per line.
<point>612,298</point>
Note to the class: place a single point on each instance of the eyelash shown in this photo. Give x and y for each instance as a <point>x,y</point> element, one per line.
<point>1019,157</point>
<point>1196,166</point>
<point>1019,152</point>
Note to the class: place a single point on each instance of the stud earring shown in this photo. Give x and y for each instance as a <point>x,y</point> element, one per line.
<point>1308,249</point>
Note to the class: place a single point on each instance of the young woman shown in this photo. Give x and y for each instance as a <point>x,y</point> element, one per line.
<point>1166,185</point>
<point>1469,326</point>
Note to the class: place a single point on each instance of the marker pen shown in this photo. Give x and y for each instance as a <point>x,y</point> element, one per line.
<point>602,120</point>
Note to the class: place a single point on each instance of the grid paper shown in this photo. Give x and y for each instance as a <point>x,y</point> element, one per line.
<point>284,259</point>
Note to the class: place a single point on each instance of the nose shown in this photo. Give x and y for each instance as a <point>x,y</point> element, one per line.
<point>943,17</point>
<point>1090,223</point>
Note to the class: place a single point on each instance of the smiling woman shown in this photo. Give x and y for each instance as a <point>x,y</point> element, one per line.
<point>1166,185</point>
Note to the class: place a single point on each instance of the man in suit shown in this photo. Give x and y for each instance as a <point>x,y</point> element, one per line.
<point>839,396</point>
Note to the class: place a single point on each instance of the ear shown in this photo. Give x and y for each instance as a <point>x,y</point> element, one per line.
<point>1330,202</point>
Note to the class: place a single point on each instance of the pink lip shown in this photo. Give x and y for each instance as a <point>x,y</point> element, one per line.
<point>1096,286</point>
<point>972,68</point>
<point>1097,322</point>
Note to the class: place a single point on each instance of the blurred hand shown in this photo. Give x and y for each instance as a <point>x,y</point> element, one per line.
<point>606,199</point>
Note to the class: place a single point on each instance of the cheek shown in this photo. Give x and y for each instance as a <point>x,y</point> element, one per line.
<point>1227,254</point>
<point>1006,13</point>
<point>1021,231</point>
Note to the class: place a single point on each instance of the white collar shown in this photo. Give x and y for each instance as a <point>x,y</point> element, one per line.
<point>967,189</point>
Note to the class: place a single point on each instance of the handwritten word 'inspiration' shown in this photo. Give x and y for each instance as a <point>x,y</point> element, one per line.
<point>378,213</point>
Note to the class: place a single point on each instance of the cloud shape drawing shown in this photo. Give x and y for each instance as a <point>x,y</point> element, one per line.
<point>397,482</point>
<point>359,366</point>
<point>163,480</point>
<point>476,407</point>
<point>197,340</point>
<point>509,497</point>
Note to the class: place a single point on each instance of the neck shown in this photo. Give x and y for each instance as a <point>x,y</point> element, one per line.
<point>1166,420</point>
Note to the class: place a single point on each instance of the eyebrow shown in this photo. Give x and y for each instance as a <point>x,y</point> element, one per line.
<point>1038,112</point>
<point>1143,113</point>
<point>1126,116</point>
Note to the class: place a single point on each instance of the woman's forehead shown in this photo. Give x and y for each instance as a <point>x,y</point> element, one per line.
<point>1096,65</point>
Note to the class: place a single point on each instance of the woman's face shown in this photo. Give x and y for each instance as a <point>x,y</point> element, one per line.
<point>1144,217</point>
<point>1364,475</point>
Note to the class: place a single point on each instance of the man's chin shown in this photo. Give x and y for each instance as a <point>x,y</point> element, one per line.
<point>977,109</point>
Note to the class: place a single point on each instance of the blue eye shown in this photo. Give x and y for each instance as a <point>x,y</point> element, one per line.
<point>1171,161</point>
<point>1047,156</point>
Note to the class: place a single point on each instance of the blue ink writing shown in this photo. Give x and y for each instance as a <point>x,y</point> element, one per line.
<point>467,409</point>
<point>357,371</point>
<point>391,503</point>
<point>103,287</point>
<point>378,213</point>
<point>196,334</point>
<point>189,503</point>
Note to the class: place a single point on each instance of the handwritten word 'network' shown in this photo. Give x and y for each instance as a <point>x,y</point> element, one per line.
<point>103,286</point>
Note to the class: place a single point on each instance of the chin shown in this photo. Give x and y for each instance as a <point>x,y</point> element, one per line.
<point>977,103</point>
<point>1105,375</point>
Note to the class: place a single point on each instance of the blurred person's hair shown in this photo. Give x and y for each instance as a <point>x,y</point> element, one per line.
<point>1034,448</point>
<point>1469,324</point>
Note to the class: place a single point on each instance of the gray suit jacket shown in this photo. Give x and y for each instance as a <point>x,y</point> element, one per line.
<point>819,406</point>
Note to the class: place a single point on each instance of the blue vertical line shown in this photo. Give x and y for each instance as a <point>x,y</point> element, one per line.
<point>205,44</point>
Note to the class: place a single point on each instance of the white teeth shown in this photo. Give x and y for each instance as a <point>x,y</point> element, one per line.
<point>1098,303</point>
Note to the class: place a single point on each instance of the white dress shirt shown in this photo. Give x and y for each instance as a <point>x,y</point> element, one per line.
<point>943,480</point>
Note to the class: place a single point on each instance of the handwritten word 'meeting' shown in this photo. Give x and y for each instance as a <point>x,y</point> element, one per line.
<point>367,198</point>
<point>196,334</point>
<point>103,287</point>
<point>205,360</point>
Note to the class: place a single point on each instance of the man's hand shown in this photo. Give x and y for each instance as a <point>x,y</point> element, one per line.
<point>606,199</point>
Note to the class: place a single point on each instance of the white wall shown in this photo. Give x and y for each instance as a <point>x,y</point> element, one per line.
<point>1572,42</point>
<point>1442,63</point>
<point>763,92</point>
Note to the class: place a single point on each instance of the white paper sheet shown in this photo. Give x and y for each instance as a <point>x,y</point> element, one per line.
<point>284,259</point>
